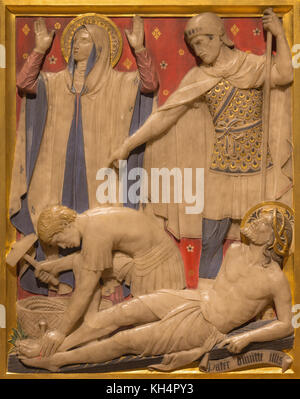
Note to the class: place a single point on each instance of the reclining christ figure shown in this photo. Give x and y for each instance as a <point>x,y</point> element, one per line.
<point>183,325</point>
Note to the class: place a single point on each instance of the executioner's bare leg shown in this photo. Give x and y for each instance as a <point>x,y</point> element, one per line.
<point>98,325</point>
<point>132,341</point>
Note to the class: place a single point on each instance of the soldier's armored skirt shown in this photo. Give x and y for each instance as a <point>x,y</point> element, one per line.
<point>233,177</point>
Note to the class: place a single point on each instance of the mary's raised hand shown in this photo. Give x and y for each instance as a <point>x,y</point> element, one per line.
<point>136,36</point>
<point>43,38</point>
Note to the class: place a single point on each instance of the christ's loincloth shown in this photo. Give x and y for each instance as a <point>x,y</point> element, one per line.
<point>182,334</point>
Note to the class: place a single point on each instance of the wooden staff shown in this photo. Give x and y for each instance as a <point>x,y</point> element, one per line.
<point>266,116</point>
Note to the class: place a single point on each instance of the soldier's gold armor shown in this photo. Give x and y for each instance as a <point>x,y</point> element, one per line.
<point>237,117</point>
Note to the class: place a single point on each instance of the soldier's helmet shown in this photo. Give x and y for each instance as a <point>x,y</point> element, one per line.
<point>206,23</point>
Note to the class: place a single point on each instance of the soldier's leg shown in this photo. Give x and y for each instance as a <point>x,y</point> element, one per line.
<point>132,312</point>
<point>213,235</point>
<point>132,341</point>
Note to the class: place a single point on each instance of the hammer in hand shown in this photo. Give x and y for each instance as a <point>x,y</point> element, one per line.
<point>19,251</point>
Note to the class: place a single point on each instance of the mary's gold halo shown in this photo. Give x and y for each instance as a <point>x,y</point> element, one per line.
<point>115,37</point>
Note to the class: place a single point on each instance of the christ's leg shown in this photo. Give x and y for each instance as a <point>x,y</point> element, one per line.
<point>101,324</point>
<point>132,341</point>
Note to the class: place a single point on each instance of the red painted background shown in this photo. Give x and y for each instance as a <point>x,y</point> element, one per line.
<point>164,39</point>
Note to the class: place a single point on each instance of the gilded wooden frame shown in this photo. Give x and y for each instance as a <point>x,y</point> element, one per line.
<point>9,9</point>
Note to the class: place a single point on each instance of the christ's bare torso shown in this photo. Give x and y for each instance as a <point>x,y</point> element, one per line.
<point>241,290</point>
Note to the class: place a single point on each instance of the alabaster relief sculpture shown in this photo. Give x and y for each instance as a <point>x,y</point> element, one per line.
<point>235,109</point>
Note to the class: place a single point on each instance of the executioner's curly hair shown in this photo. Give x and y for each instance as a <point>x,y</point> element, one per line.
<point>54,220</point>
